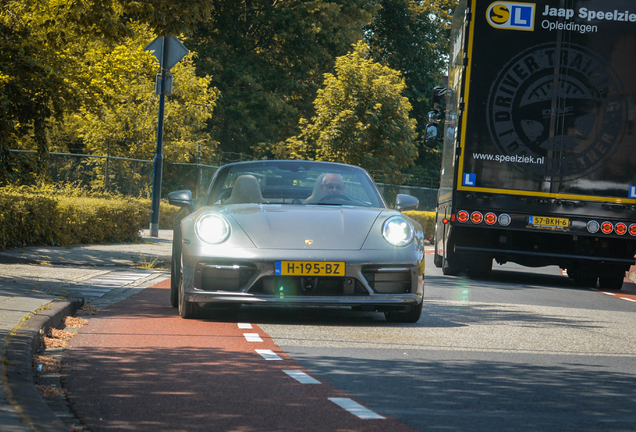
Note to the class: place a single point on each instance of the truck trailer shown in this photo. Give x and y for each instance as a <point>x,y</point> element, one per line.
<point>539,147</point>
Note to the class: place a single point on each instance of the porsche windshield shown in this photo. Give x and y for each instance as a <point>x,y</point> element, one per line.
<point>294,182</point>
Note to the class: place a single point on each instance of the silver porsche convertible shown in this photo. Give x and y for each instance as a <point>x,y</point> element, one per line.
<point>299,233</point>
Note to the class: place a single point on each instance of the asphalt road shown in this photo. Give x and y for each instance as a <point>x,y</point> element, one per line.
<point>525,350</point>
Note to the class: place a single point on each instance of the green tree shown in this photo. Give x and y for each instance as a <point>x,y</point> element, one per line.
<point>124,109</point>
<point>31,90</point>
<point>37,81</point>
<point>412,36</point>
<point>362,118</point>
<point>267,58</point>
<point>119,118</point>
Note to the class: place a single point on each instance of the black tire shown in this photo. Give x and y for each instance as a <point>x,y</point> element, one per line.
<point>175,269</point>
<point>438,260</point>
<point>585,281</point>
<point>448,269</point>
<point>412,315</point>
<point>612,281</point>
<point>187,310</point>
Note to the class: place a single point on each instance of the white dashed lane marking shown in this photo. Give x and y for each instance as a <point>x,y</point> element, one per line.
<point>301,377</point>
<point>244,325</point>
<point>268,354</point>
<point>619,296</point>
<point>253,337</point>
<point>356,409</point>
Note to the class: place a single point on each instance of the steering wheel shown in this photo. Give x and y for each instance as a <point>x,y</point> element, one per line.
<point>335,196</point>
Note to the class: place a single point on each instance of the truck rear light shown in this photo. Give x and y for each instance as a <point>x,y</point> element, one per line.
<point>620,228</point>
<point>504,219</point>
<point>462,216</point>
<point>607,227</point>
<point>632,229</point>
<point>593,226</point>
<point>476,217</point>
<point>490,218</point>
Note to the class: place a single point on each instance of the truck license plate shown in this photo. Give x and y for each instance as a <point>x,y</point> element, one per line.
<point>309,268</point>
<point>549,222</point>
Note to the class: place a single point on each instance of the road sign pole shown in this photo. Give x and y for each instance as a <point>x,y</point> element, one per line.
<point>168,50</point>
<point>158,163</point>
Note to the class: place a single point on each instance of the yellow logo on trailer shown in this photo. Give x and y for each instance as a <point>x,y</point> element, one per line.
<point>511,15</point>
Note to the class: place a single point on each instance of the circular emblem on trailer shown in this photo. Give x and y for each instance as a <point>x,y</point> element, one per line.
<point>308,242</point>
<point>556,112</point>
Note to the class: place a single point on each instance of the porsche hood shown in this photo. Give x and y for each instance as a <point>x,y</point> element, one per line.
<point>305,227</point>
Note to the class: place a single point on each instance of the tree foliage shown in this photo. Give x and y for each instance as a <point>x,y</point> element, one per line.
<point>267,58</point>
<point>120,117</point>
<point>75,70</point>
<point>42,71</point>
<point>412,36</point>
<point>362,118</point>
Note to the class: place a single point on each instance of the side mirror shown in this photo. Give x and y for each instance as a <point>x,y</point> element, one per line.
<point>182,198</point>
<point>404,202</point>
<point>430,137</point>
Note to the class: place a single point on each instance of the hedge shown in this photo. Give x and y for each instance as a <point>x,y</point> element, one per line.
<point>426,219</point>
<point>37,217</point>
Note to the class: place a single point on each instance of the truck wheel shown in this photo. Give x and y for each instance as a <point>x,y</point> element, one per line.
<point>585,281</point>
<point>612,281</point>
<point>449,269</point>
<point>438,260</point>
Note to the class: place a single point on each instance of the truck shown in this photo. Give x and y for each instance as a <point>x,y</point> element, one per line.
<point>539,147</point>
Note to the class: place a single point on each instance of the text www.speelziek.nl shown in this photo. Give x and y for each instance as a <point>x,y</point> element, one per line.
<point>509,158</point>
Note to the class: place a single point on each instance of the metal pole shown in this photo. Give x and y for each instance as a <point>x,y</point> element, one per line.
<point>198,169</point>
<point>106,171</point>
<point>158,164</point>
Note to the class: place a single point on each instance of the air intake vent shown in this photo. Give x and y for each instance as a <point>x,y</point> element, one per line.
<point>210,277</point>
<point>388,280</point>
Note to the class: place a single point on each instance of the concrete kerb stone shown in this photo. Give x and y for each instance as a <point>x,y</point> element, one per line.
<point>17,377</point>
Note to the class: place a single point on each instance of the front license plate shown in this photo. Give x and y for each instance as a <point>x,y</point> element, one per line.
<point>310,268</point>
<point>549,222</point>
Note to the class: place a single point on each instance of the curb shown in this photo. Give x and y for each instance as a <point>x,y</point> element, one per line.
<point>17,376</point>
<point>11,259</point>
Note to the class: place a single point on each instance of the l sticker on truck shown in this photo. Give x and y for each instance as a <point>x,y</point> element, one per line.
<point>511,15</point>
<point>469,179</point>
<point>632,191</point>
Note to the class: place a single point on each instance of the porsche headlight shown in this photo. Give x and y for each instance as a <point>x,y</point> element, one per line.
<point>397,231</point>
<point>212,228</point>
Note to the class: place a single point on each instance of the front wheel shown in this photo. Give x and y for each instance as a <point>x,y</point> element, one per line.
<point>175,269</point>
<point>187,310</point>
<point>411,315</point>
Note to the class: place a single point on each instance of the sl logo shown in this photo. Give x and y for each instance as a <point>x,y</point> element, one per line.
<point>511,15</point>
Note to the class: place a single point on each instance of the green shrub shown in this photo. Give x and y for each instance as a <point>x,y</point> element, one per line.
<point>27,219</point>
<point>46,215</point>
<point>426,219</point>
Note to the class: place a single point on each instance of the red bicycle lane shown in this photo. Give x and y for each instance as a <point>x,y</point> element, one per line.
<point>138,366</point>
